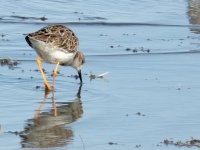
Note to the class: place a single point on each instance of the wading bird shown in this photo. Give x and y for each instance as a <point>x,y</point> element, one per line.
<point>56,44</point>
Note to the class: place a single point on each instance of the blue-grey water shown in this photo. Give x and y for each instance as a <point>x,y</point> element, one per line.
<point>150,49</point>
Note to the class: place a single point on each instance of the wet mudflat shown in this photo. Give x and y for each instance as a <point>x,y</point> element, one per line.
<point>141,77</point>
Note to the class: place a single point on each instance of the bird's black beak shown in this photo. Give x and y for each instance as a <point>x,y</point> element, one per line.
<point>80,76</point>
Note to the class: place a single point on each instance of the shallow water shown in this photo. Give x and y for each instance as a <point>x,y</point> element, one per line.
<point>149,48</point>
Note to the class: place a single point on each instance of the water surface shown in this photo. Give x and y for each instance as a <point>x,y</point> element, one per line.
<point>149,48</point>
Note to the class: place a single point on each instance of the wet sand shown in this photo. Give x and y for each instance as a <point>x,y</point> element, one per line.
<point>150,94</point>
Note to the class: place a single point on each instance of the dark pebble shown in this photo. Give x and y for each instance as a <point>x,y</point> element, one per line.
<point>128,49</point>
<point>112,143</point>
<point>37,87</point>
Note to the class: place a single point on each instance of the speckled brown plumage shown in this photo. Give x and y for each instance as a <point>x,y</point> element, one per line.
<point>57,35</point>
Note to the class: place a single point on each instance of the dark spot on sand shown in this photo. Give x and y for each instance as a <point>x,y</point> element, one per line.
<point>74,76</point>
<point>149,40</point>
<point>26,18</point>
<point>103,34</point>
<point>100,18</point>
<point>19,17</point>
<point>128,49</point>
<point>58,72</point>
<point>8,62</point>
<point>92,76</point>
<point>111,46</point>
<point>5,40</point>
<point>43,18</point>
<point>37,87</point>
<point>76,12</point>
<point>167,142</point>
<point>141,49</point>
<point>2,35</point>
<point>140,114</point>
<point>94,18</point>
<point>138,146</point>
<point>135,50</point>
<point>112,143</point>
<point>37,70</point>
<point>188,143</point>
<point>126,34</point>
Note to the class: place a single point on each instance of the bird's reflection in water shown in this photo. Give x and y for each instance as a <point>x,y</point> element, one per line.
<point>48,129</point>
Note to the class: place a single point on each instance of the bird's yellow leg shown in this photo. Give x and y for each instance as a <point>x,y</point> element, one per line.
<point>47,86</point>
<point>55,73</point>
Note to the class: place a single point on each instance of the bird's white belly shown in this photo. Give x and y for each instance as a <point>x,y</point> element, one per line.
<point>51,54</point>
<point>62,57</point>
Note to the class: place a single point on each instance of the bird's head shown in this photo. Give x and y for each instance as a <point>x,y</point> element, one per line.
<point>79,60</point>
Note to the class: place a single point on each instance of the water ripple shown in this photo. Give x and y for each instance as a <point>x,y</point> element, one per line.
<point>93,23</point>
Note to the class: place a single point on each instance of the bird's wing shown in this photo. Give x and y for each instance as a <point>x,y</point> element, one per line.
<point>58,36</point>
